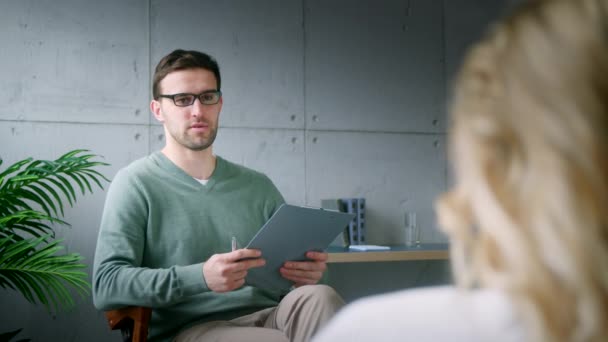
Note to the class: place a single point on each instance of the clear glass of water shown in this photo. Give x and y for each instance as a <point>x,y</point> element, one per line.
<point>412,231</point>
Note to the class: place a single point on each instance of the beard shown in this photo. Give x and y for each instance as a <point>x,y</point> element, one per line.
<point>196,143</point>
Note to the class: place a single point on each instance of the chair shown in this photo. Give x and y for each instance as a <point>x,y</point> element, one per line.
<point>132,321</point>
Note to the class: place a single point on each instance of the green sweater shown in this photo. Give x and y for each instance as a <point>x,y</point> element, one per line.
<point>160,225</point>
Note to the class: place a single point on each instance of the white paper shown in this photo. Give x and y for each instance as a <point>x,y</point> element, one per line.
<point>369,247</point>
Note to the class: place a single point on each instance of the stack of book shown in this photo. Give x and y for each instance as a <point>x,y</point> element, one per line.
<point>354,233</point>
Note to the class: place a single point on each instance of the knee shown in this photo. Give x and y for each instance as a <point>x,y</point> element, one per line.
<point>324,291</point>
<point>322,294</point>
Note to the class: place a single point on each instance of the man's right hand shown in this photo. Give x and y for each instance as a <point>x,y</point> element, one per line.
<point>227,271</point>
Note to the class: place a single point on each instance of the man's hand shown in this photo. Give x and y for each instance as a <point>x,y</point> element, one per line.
<point>226,272</point>
<point>305,272</point>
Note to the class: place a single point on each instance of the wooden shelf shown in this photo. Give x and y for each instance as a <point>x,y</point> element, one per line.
<point>430,251</point>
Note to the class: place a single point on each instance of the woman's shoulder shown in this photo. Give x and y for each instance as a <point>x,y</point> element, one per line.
<point>442,313</point>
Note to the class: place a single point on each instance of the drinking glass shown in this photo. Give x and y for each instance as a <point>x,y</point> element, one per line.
<point>412,231</point>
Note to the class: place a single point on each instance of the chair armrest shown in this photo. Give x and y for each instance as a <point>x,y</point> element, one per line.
<point>132,320</point>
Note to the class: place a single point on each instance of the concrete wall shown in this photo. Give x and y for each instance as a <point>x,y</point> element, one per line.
<point>329,98</point>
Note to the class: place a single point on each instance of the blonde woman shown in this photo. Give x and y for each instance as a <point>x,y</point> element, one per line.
<point>528,216</point>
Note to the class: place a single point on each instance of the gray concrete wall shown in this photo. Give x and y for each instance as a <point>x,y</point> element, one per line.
<point>329,98</point>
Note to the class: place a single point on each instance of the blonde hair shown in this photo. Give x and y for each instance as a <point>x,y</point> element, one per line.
<point>529,144</point>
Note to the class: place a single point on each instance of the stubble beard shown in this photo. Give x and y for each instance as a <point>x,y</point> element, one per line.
<point>197,144</point>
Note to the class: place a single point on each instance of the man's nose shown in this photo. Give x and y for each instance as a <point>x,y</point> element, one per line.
<point>198,108</point>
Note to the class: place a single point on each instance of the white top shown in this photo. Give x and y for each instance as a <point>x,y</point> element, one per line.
<point>202,181</point>
<point>427,314</point>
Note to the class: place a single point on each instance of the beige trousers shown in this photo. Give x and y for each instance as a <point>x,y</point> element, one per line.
<point>297,318</point>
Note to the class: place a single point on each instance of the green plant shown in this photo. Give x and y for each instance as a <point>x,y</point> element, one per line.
<point>32,198</point>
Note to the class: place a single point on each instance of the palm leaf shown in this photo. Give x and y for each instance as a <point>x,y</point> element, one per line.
<point>34,268</point>
<point>64,189</point>
<point>13,168</point>
<point>32,198</point>
<point>31,180</point>
<point>28,221</point>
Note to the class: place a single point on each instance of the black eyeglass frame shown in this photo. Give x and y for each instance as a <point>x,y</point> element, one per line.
<point>195,96</point>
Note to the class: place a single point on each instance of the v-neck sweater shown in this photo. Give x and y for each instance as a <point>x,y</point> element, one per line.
<point>160,225</point>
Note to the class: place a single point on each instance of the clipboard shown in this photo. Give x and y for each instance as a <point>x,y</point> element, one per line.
<point>289,233</point>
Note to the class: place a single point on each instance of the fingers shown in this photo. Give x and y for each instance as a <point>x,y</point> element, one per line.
<point>306,265</point>
<point>242,254</point>
<point>246,264</point>
<point>317,256</point>
<point>229,285</point>
<point>317,262</point>
<point>232,281</point>
<point>242,259</point>
<point>305,272</point>
<point>232,268</point>
<point>227,272</point>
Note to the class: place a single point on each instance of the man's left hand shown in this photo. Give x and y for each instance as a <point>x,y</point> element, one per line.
<point>305,272</point>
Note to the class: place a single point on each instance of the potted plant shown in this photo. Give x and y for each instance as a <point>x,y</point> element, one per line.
<point>33,194</point>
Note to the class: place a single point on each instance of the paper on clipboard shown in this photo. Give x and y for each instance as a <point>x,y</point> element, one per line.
<point>288,235</point>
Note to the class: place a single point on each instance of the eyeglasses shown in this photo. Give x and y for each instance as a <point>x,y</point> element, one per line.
<point>209,97</point>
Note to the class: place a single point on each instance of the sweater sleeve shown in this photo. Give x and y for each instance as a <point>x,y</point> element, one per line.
<point>274,199</point>
<point>118,276</point>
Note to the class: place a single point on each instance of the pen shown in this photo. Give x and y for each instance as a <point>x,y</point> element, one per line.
<point>233,243</point>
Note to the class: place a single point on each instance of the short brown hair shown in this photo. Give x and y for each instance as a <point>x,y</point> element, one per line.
<point>181,60</point>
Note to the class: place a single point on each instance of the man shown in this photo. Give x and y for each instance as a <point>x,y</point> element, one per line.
<point>169,219</point>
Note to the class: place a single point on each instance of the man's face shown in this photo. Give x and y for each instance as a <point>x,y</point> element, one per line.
<point>193,127</point>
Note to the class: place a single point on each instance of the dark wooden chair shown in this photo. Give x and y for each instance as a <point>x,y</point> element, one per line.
<point>132,321</point>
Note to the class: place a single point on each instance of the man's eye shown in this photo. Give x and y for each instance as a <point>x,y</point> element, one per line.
<point>183,100</point>
<point>208,97</point>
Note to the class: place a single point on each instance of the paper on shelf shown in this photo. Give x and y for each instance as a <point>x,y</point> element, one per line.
<point>369,247</point>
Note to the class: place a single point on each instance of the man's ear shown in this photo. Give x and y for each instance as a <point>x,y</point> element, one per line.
<point>156,110</point>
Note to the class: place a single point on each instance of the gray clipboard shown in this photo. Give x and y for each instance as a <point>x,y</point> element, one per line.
<point>288,235</point>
